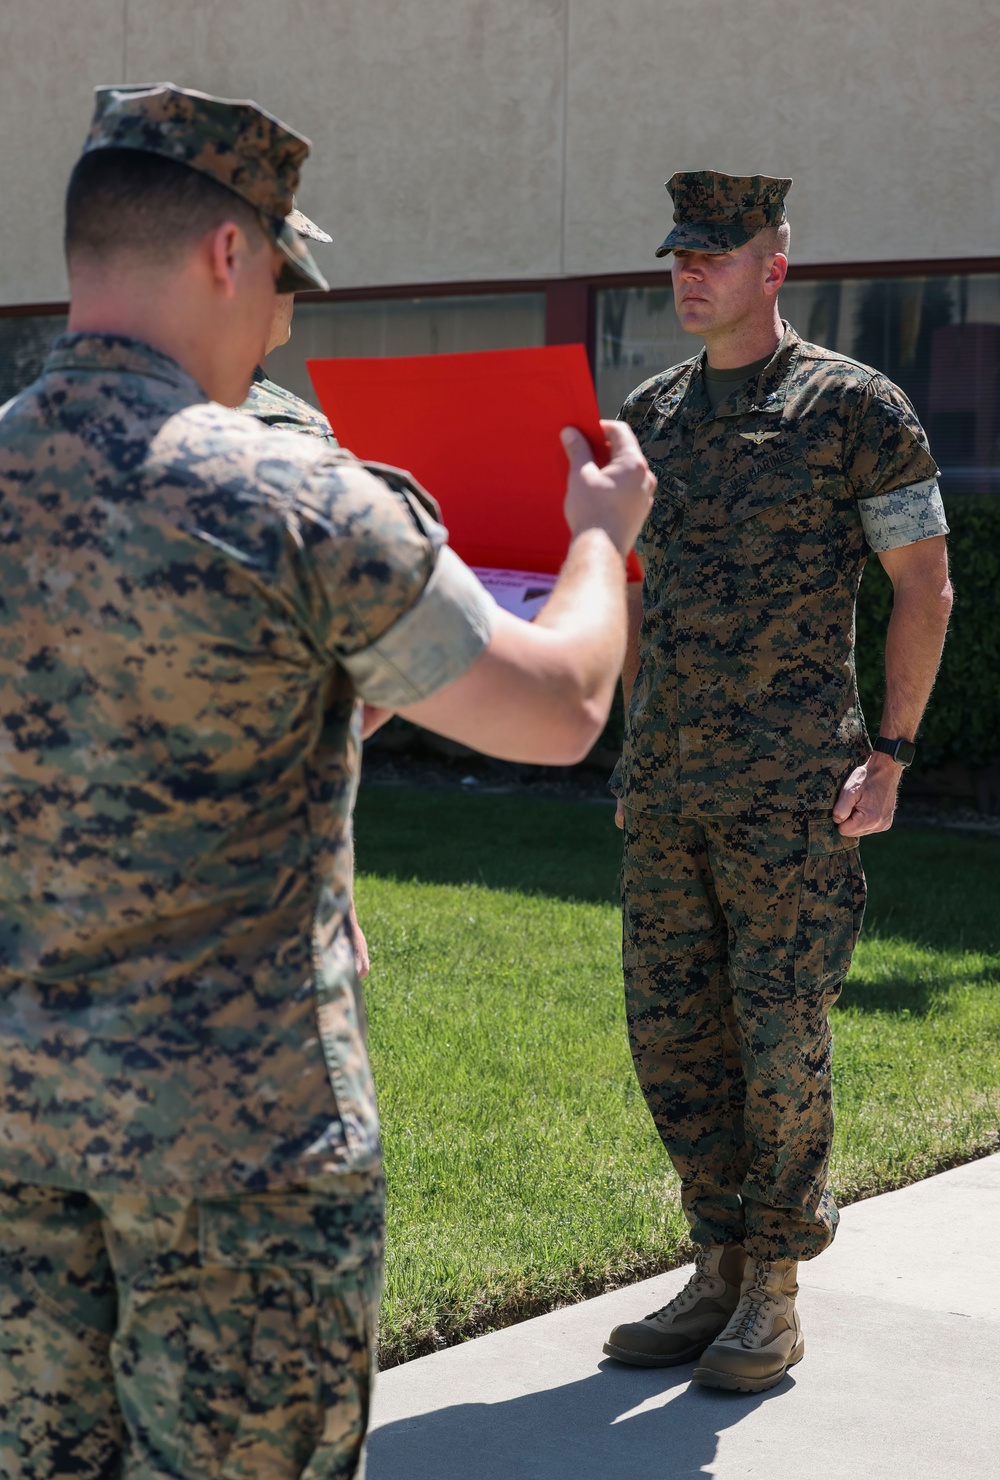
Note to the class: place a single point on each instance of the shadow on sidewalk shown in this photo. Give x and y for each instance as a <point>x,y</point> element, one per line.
<point>617,1424</point>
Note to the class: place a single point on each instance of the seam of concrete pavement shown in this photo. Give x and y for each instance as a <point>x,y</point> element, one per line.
<point>902,1323</point>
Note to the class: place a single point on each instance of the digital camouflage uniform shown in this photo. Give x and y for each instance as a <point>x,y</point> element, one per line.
<point>190,1182</point>
<point>741,900</point>
<point>271,404</point>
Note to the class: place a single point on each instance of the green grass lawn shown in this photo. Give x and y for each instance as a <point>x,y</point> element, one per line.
<point>522,1166</point>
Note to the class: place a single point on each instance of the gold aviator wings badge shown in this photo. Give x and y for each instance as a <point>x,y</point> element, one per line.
<point>758,437</point>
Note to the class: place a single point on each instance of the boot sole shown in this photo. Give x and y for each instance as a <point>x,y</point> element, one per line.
<point>731,1383</point>
<point>644,1359</point>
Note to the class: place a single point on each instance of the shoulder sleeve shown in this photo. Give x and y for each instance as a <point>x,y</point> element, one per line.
<point>431,644</point>
<point>273,406</point>
<point>385,597</point>
<point>891,471</point>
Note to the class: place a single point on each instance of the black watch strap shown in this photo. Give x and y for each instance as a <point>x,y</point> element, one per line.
<point>903,752</point>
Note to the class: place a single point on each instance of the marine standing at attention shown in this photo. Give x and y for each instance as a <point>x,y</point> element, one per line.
<point>747,776</point>
<point>191,1196</point>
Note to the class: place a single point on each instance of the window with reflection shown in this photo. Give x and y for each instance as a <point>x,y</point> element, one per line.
<point>25,341</point>
<point>405,326</point>
<point>936,337</point>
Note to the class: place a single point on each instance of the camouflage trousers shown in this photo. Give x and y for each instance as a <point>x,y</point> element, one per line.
<point>149,1337</point>
<point>737,936</point>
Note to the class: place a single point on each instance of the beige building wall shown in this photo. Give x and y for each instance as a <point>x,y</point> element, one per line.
<point>472,140</point>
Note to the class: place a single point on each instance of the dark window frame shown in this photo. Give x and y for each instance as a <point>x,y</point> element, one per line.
<point>570,302</point>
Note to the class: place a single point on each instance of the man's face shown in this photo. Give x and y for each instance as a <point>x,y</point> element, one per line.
<point>245,317</point>
<point>281,321</point>
<point>716,291</point>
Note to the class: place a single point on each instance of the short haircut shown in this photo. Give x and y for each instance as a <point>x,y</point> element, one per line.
<point>773,239</point>
<point>126,200</point>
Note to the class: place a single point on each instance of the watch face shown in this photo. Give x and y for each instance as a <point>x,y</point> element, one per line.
<point>903,752</point>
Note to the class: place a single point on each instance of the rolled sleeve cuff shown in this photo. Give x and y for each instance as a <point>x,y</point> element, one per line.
<point>432,644</point>
<point>904,516</point>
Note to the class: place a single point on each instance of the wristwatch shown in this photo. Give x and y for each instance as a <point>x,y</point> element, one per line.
<point>902,751</point>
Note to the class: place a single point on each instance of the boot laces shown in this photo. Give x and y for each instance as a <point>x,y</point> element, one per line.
<point>699,1284</point>
<point>751,1306</point>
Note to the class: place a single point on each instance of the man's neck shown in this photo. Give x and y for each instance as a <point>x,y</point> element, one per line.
<point>167,312</point>
<point>137,316</point>
<point>745,343</point>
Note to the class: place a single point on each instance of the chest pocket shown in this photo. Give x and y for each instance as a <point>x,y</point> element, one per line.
<point>661,528</point>
<point>786,529</point>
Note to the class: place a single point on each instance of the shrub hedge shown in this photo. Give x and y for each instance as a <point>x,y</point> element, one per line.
<point>962,722</point>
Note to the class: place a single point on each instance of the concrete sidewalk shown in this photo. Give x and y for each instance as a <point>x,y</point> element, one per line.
<point>900,1378</point>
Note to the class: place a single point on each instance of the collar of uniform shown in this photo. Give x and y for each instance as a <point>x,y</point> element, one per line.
<point>121,353</point>
<point>259,375</point>
<point>686,398</point>
<point>766,392</point>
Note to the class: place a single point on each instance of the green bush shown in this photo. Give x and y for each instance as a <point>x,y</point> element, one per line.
<point>962,722</point>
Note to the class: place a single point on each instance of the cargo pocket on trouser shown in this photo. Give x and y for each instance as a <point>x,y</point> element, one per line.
<point>348,1323</point>
<point>277,1317</point>
<point>831,909</point>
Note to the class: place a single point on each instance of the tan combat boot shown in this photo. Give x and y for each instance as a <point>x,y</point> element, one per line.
<point>686,1324</point>
<point>763,1338</point>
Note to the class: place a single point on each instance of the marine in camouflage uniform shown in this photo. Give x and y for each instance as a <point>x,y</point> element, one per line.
<point>742,901</point>
<point>271,403</point>
<point>275,406</point>
<point>191,1193</point>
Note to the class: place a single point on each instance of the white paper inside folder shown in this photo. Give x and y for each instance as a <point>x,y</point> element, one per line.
<point>522,592</point>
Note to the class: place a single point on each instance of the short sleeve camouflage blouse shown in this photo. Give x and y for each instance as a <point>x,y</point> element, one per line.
<point>191,604</point>
<point>275,406</point>
<point>765,513</point>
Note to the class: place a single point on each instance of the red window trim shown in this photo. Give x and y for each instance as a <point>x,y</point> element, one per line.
<point>570,302</point>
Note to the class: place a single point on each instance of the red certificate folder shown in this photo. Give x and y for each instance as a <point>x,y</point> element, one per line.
<point>480,431</point>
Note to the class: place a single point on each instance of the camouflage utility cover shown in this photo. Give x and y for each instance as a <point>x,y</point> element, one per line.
<point>236,143</point>
<point>275,407</point>
<point>191,605</point>
<point>717,213</point>
<point>763,518</point>
<point>301,223</point>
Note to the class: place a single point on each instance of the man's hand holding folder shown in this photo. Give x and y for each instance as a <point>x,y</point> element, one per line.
<point>541,691</point>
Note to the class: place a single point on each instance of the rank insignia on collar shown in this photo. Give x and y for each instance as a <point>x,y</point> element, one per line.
<point>758,437</point>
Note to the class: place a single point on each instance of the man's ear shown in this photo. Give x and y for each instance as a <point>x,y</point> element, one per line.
<point>776,273</point>
<point>223,247</point>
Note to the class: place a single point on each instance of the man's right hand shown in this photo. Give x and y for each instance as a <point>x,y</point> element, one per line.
<point>620,814</point>
<point>616,498</point>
